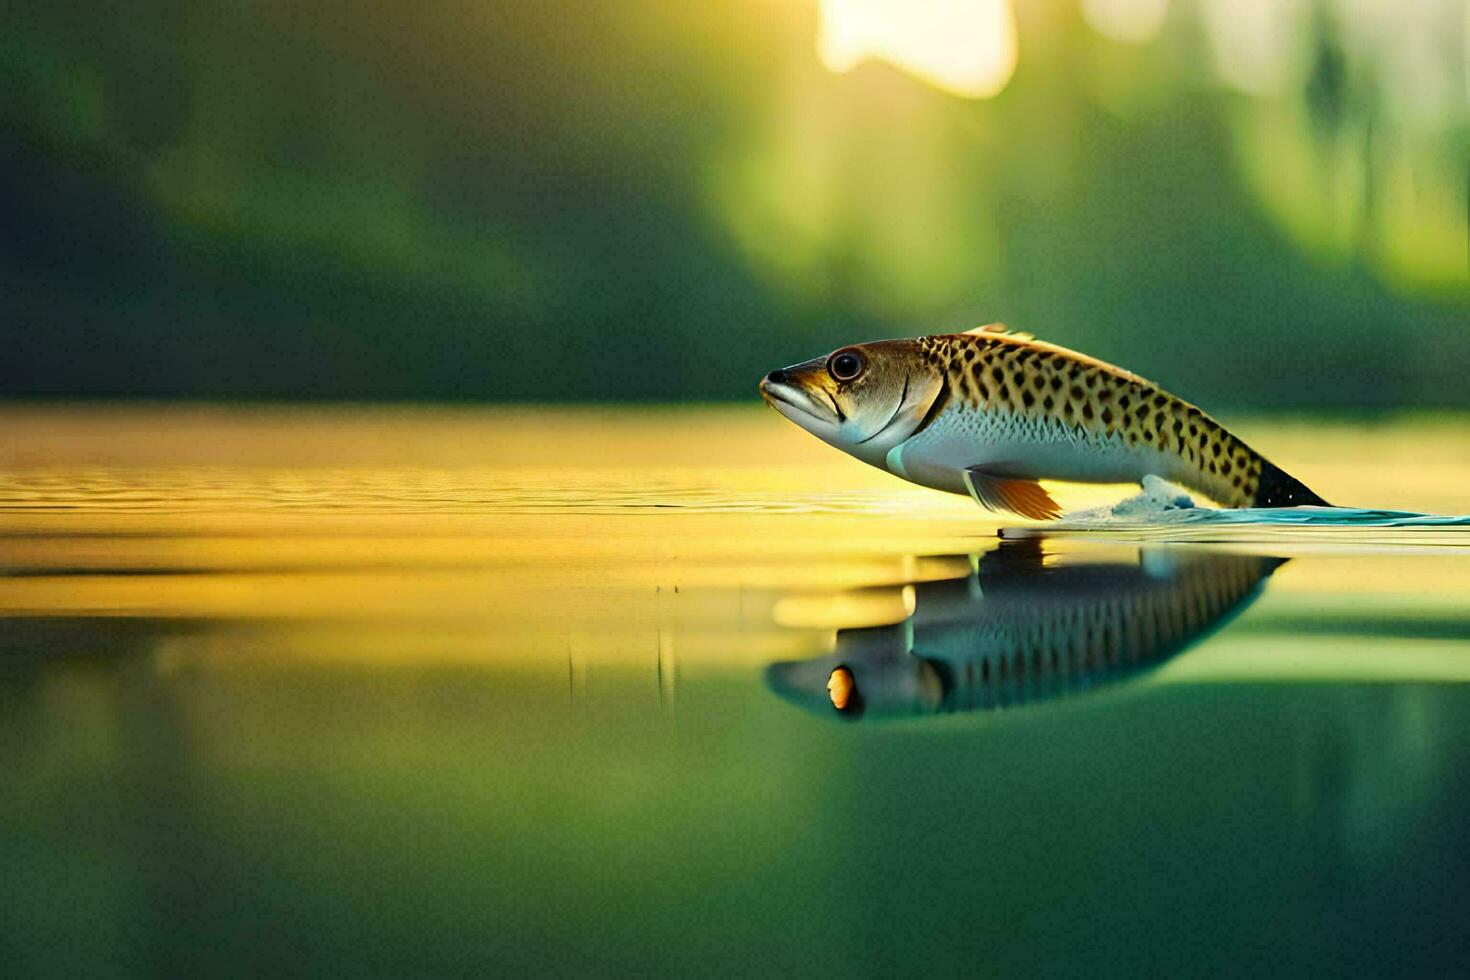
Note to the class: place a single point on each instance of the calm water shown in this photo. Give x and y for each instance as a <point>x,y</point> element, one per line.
<point>375,691</point>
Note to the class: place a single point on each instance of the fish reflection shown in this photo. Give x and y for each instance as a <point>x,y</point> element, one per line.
<point>1025,627</point>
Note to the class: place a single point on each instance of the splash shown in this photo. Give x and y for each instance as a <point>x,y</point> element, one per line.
<point>1165,512</point>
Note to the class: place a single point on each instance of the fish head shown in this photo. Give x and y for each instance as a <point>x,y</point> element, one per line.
<point>872,673</point>
<point>863,399</point>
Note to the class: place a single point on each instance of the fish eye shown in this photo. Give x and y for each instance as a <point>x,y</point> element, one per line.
<point>841,688</point>
<point>845,365</point>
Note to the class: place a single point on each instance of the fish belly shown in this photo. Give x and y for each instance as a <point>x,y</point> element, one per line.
<point>1024,448</point>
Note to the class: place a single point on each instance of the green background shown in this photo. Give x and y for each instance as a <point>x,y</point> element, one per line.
<point>663,200</point>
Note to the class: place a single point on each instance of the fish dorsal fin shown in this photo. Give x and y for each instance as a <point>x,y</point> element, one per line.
<point>1024,497</point>
<point>1000,330</point>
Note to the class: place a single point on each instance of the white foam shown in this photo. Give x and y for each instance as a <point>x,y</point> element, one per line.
<point>1160,501</point>
<point>1164,512</point>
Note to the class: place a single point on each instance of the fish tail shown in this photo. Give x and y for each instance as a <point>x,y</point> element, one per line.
<point>1277,488</point>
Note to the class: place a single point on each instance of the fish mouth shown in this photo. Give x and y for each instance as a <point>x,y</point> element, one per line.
<point>788,399</point>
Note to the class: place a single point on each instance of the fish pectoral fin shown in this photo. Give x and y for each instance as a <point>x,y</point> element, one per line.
<point>1024,497</point>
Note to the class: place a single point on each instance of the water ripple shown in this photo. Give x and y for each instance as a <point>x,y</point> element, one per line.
<point>419,492</point>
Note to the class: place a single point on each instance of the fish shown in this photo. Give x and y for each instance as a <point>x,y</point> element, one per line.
<point>1024,628</point>
<point>990,412</point>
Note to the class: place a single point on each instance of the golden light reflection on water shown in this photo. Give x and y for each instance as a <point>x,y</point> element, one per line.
<point>556,539</point>
<point>516,664</point>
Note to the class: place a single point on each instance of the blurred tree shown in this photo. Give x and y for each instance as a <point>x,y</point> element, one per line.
<point>659,200</point>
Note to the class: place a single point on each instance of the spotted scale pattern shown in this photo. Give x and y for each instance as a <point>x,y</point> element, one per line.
<point>1038,383</point>
<point>1038,651</point>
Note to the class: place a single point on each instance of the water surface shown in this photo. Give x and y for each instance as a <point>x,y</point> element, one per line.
<point>372,690</point>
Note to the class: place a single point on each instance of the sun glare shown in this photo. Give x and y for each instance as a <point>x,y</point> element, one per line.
<point>1131,21</point>
<point>1255,41</point>
<point>964,47</point>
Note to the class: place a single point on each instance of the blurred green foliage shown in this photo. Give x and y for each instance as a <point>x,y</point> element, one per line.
<point>661,200</point>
